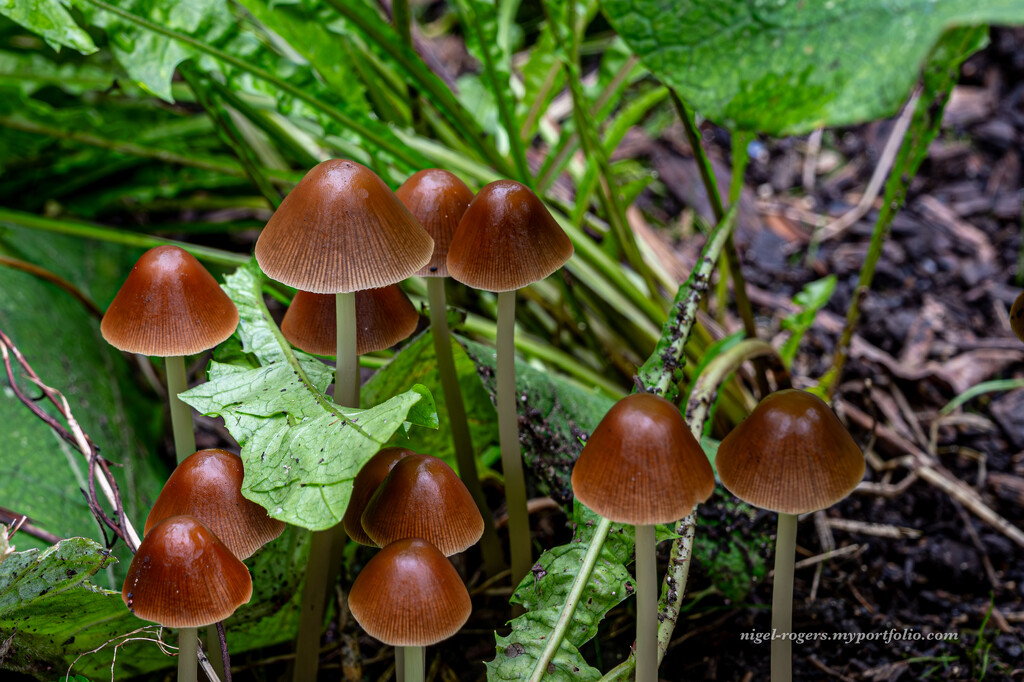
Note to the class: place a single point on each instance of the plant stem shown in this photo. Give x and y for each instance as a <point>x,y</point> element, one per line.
<point>782,600</point>
<point>569,608</point>
<point>646,606</point>
<point>414,668</point>
<point>181,414</point>
<point>213,646</point>
<point>188,652</point>
<point>520,550</point>
<point>490,545</point>
<point>314,593</point>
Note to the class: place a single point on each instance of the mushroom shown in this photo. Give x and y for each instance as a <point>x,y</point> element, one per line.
<point>422,497</point>
<point>340,230</point>
<point>792,456</point>
<point>1017,316</point>
<point>506,240</point>
<point>384,317</point>
<point>409,595</point>
<point>642,466</point>
<point>439,199</point>
<point>170,306</point>
<point>207,485</point>
<point>364,486</point>
<point>184,577</point>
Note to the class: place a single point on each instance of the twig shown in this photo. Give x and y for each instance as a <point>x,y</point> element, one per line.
<point>810,170</point>
<point>46,275</point>
<point>21,522</point>
<point>878,530</point>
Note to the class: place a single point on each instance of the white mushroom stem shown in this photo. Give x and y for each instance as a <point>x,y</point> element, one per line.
<point>188,652</point>
<point>181,414</point>
<point>646,605</point>
<point>782,600</point>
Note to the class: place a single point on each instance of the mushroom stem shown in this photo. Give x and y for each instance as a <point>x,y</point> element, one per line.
<point>346,377</point>
<point>782,600</point>
<point>414,668</point>
<point>307,648</point>
<point>490,545</point>
<point>188,654</point>
<point>520,550</point>
<point>181,414</point>
<point>646,606</point>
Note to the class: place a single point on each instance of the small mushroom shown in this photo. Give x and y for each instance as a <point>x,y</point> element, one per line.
<point>1017,316</point>
<point>793,456</point>
<point>364,486</point>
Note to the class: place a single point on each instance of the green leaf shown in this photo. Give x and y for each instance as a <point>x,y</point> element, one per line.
<point>544,591</point>
<point>51,20</point>
<point>417,364</point>
<point>789,67</point>
<point>300,450</point>
<point>812,298</point>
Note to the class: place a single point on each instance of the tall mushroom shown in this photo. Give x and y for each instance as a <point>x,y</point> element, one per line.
<point>340,230</point>
<point>170,306</point>
<point>506,240</point>
<point>793,456</point>
<point>184,577</point>
<point>409,595</point>
<point>642,466</point>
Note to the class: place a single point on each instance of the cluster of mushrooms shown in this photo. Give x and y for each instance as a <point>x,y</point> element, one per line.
<point>345,241</point>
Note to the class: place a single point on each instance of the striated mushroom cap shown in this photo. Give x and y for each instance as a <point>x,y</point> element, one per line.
<point>506,240</point>
<point>641,465</point>
<point>169,305</point>
<point>207,485</point>
<point>409,594</point>
<point>423,498</point>
<point>791,455</point>
<point>341,230</point>
<point>438,199</point>
<point>364,486</point>
<point>1017,316</point>
<point>184,577</point>
<point>384,317</point>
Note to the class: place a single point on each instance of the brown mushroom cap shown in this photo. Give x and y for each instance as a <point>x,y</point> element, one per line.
<point>641,465</point>
<point>341,230</point>
<point>423,498</point>
<point>364,486</point>
<point>207,485</point>
<point>169,305</point>
<point>184,577</point>
<point>384,317</point>
<point>438,199</point>
<point>506,240</point>
<point>791,455</point>
<point>409,594</point>
<point>1017,316</point>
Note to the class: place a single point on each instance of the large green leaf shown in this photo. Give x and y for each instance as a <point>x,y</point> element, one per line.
<point>789,67</point>
<point>300,450</point>
<point>43,476</point>
<point>51,20</point>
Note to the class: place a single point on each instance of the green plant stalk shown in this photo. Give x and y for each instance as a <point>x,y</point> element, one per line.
<point>572,600</point>
<point>414,667</point>
<point>782,600</point>
<point>106,234</point>
<point>520,548</point>
<point>397,151</point>
<point>188,655</point>
<point>490,544</point>
<point>646,606</point>
<point>181,414</point>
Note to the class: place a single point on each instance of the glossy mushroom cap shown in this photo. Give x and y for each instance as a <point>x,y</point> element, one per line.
<point>184,577</point>
<point>641,465</point>
<point>384,317</point>
<point>791,455</point>
<point>364,486</point>
<point>438,199</point>
<point>1017,316</point>
<point>423,498</point>
<point>207,485</point>
<point>169,305</point>
<point>506,240</point>
<point>409,594</point>
<point>341,230</point>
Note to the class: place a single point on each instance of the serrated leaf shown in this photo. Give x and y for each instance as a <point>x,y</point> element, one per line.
<point>51,20</point>
<point>300,450</point>
<point>789,67</point>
